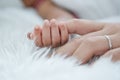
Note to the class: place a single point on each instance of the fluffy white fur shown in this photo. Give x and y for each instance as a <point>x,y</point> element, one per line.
<point>20,59</point>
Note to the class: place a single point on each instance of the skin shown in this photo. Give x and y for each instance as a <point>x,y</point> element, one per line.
<point>54,12</point>
<point>48,6</point>
<point>51,34</point>
<point>91,43</point>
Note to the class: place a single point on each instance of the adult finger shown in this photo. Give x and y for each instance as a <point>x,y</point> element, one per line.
<point>115,40</point>
<point>83,27</point>
<point>69,48</point>
<point>90,47</point>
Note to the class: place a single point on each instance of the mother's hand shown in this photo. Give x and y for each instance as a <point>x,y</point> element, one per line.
<point>94,43</point>
<point>28,3</point>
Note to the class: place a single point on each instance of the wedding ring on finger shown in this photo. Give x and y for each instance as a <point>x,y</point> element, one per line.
<point>109,41</point>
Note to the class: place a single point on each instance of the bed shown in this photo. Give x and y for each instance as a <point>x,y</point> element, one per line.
<point>21,60</point>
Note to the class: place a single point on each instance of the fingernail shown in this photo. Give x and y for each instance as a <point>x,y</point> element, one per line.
<point>31,36</point>
<point>46,20</point>
<point>36,27</point>
<point>53,21</point>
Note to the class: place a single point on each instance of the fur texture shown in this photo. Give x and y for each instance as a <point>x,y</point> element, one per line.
<point>21,60</point>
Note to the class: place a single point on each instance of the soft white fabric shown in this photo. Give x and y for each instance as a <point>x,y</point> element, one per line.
<point>11,3</point>
<point>92,9</point>
<point>20,59</point>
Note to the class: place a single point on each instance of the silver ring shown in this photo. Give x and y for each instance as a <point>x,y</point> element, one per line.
<point>109,41</point>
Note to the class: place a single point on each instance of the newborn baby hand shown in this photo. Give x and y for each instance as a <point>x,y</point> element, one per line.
<point>52,33</point>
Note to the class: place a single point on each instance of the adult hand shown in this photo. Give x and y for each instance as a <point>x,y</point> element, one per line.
<point>93,42</point>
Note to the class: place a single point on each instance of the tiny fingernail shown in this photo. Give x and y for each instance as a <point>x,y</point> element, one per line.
<point>36,27</point>
<point>53,21</point>
<point>45,20</point>
<point>31,36</point>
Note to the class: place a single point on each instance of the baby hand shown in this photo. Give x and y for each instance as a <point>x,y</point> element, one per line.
<point>53,34</point>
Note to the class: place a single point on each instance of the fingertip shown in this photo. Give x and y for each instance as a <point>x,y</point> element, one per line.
<point>46,20</point>
<point>31,36</point>
<point>37,30</point>
<point>46,23</point>
<point>37,27</point>
<point>52,20</point>
<point>83,62</point>
<point>88,59</point>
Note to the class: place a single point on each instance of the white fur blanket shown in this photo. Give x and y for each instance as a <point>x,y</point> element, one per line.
<point>20,60</point>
